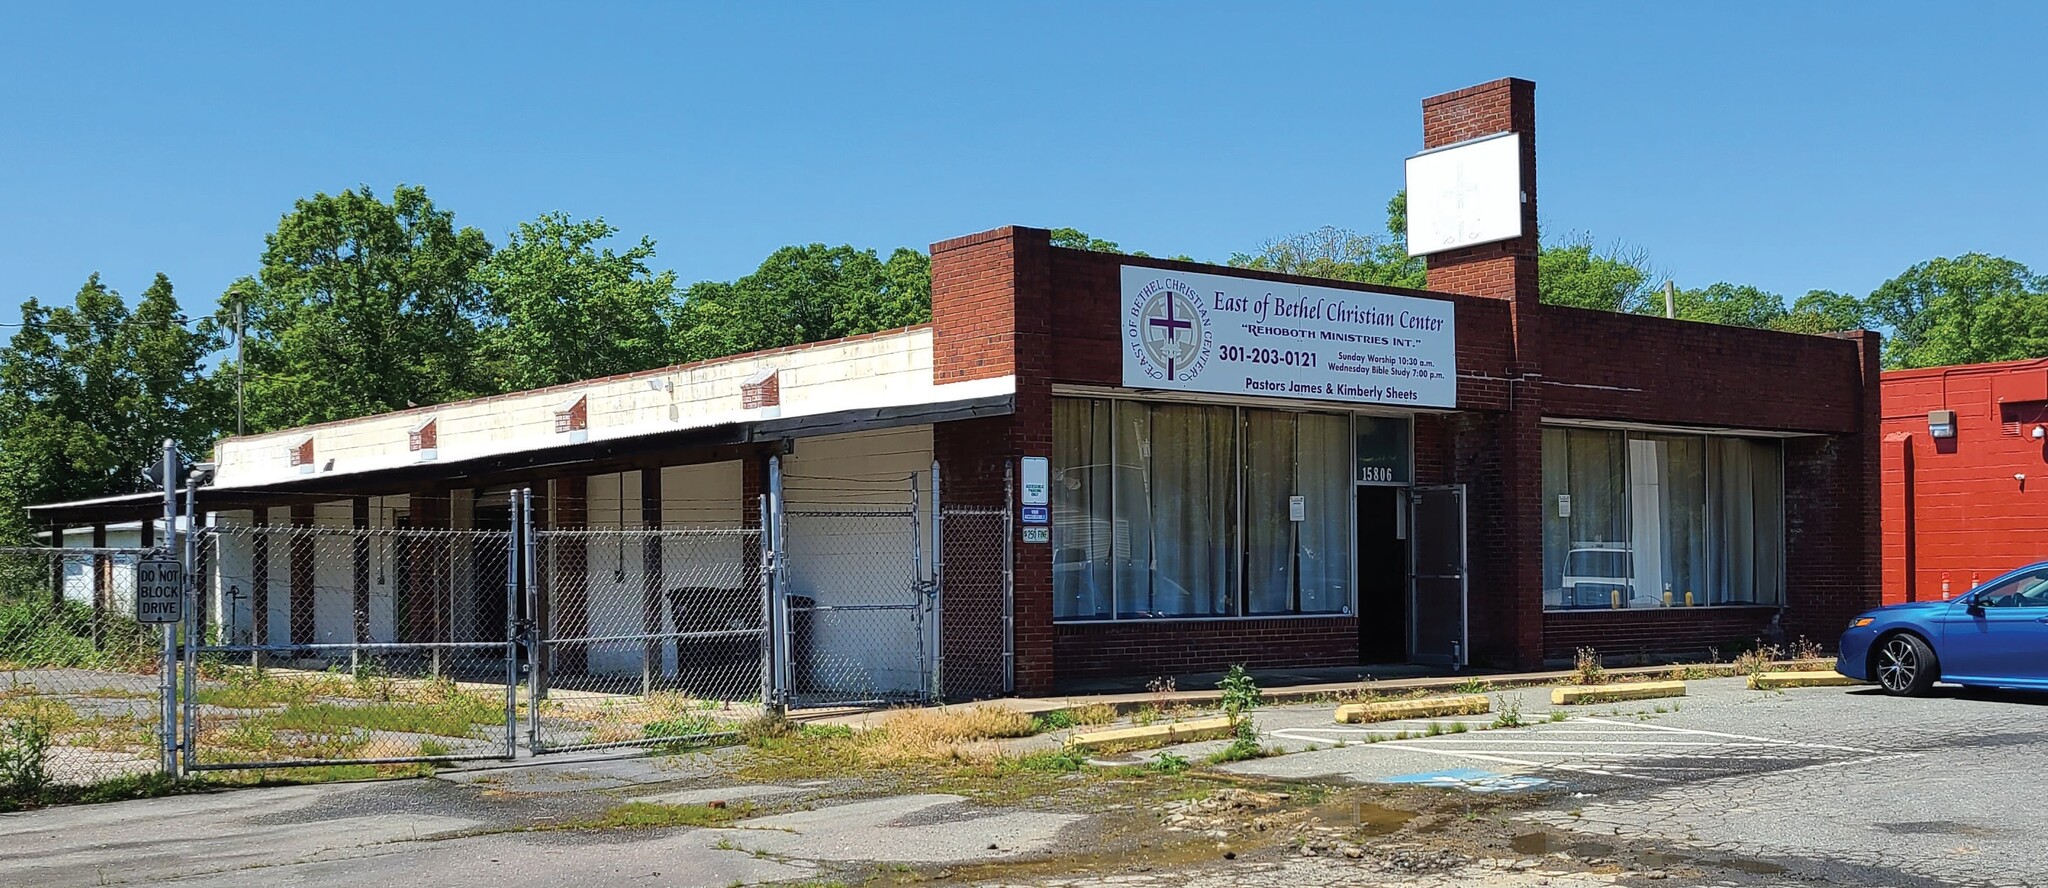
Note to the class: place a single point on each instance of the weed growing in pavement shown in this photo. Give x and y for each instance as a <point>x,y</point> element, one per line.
<point>1145,715</point>
<point>1241,750</point>
<point>1162,690</point>
<point>1507,711</point>
<point>1060,760</point>
<point>1436,729</point>
<point>1056,720</point>
<point>24,758</point>
<point>1757,660</point>
<point>1241,695</point>
<point>1558,715</point>
<point>1093,714</point>
<point>1459,727</point>
<point>1167,763</point>
<point>1808,649</point>
<point>1586,667</point>
<point>1470,686</point>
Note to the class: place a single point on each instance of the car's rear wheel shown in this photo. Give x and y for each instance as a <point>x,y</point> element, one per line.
<point>1905,666</point>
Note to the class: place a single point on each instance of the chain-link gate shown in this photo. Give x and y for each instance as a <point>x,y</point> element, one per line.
<point>351,645</point>
<point>856,605</point>
<point>646,637</point>
<point>81,682</point>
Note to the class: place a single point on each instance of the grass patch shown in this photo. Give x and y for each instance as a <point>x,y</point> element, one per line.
<point>1242,750</point>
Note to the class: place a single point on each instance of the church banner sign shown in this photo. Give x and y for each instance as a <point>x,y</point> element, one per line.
<point>1237,336</point>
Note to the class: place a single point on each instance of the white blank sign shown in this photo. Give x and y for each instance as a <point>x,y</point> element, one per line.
<point>1465,194</point>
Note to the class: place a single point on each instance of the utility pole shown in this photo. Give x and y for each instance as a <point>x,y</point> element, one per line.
<point>241,328</point>
<point>1670,299</point>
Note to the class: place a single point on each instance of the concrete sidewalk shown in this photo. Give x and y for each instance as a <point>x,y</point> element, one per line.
<point>1307,686</point>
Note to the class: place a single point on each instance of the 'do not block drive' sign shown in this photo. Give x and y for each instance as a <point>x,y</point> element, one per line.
<point>159,590</point>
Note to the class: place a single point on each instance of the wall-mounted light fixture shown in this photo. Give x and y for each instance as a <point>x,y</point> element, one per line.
<point>1941,423</point>
<point>2040,432</point>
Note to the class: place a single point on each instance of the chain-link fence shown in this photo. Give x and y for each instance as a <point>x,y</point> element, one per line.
<point>856,607</point>
<point>353,645</point>
<point>647,636</point>
<point>976,609</point>
<point>80,695</point>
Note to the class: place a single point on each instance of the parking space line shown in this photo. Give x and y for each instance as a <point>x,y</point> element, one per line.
<point>1750,737</point>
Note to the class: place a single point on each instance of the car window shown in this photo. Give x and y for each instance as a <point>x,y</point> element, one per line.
<point>2025,590</point>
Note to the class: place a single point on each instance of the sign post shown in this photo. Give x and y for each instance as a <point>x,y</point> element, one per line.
<point>168,685</point>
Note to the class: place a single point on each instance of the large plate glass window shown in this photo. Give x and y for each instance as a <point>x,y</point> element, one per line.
<point>1190,511</point>
<point>1646,520</point>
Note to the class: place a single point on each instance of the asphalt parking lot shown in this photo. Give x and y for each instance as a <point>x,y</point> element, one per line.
<point>1840,784</point>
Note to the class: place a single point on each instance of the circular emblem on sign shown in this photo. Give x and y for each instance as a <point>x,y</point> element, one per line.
<point>1168,330</point>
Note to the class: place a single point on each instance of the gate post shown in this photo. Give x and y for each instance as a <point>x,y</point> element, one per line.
<point>195,625</point>
<point>167,682</point>
<point>938,595</point>
<point>513,536</point>
<point>536,628</point>
<point>779,644</point>
<point>1009,580</point>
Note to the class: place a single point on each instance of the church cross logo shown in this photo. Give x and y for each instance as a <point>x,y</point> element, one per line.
<point>1169,330</point>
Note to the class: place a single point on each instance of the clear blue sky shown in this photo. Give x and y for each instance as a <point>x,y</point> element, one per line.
<point>1791,146</point>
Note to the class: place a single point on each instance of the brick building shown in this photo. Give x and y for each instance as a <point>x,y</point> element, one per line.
<point>1965,456</point>
<point>1212,465</point>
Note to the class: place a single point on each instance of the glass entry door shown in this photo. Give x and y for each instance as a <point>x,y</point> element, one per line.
<point>1436,589</point>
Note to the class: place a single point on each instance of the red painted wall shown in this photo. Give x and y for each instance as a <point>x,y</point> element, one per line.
<point>1954,506</point>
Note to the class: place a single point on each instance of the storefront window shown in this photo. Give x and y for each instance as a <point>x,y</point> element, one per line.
<point>1634,520</point>
<point>1171,510</point>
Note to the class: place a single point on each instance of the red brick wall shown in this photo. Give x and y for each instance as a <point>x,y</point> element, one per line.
<point>1149,649</point>
<point>1652,630</point>
<point>992,316</point>
<point>1953,505</point>
<point>1604,365</point>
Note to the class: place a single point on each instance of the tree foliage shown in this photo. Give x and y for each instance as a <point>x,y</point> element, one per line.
<point>363,306</point>
<point>805,294</point>
<point>1969,309</point>
<point>1578,274</point>
<point>88,393</point>
<point>568,309</point>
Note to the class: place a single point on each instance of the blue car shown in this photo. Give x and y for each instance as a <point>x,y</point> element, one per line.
<point>1996,636</point>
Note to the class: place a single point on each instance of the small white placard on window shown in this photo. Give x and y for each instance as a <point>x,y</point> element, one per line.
<point>1297,508</point>
<point>1564,505</point>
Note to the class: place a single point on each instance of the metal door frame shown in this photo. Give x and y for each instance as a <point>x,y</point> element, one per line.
<point>1461,652</point>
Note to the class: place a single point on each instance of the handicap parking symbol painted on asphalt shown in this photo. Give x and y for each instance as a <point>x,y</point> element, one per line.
<point>1469,779</point>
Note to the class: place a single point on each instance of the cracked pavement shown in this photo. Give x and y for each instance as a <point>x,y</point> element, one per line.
<point>1726,787</point>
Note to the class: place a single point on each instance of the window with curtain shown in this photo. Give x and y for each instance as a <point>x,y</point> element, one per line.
<point>1644,520</point>
<point>1182,510</point>
<point>1086,537</point>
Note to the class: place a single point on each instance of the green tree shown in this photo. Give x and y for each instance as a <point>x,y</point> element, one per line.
<point>363,306</point>
<point>571,309</point>
<point>1076,239</point>
<point>1345,255</point>
<point>1966,310</point>
<point>89,392</point>
<point>1577,274</point>
<point>804,294</point>
<point>1737,305</point>
<point>1823,311</point>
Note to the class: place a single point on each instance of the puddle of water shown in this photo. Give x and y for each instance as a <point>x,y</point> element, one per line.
<point>1536,844</point>
<point>1365,817</point>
